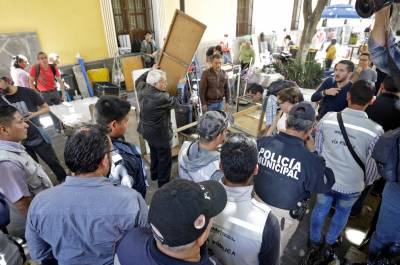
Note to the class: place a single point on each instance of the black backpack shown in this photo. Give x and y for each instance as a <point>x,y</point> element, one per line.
<point>386,155</point>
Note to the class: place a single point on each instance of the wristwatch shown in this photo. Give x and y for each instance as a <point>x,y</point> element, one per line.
<point>323,93</point>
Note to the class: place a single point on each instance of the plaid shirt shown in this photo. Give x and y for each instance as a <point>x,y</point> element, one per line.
<point>271,109</point>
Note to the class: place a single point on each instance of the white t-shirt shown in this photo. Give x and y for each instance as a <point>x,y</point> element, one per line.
<point>281,125</point>
<point>20,77</point>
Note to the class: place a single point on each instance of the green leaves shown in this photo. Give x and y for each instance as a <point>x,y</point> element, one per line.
<point>307,75</point>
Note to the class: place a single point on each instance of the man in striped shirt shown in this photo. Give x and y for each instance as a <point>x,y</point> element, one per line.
<point>350,178</point>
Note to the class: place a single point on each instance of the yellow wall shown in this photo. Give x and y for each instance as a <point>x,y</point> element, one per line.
<point>63,26</point>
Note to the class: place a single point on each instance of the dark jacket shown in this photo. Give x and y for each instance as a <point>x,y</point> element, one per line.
<point>155,106</point>
<point>132,161</point>
<point>385,111</point>
<point>214,87</point>
<point>288,172</point>
<point>330,103</point>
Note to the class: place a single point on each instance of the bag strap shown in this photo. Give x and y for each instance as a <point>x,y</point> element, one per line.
<point>37,72</point>
<point>53,70</point>
<point>347,140</point>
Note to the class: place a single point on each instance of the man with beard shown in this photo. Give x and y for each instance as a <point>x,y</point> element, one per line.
<point>331,94</point>
<point>81,220</point>
<point>31,105</point>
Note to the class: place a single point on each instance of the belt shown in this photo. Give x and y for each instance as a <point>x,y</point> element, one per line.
<point>50,91</point>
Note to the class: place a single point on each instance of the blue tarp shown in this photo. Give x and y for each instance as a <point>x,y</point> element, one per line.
<point>340,11</point>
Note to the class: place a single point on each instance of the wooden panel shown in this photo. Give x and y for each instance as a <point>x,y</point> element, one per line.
<point>174,70</point>
<point>128,65</point>
<point>183,38</point>
<point>248,121</point>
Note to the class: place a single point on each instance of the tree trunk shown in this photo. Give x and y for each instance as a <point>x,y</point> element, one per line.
<point>311,19</point>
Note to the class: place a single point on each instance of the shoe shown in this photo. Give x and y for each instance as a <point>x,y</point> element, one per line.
<point>312,254</point>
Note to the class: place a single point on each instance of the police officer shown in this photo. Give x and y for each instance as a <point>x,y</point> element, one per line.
<point>289,171</point>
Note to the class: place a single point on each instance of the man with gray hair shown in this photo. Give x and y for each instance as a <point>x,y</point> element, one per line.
<point>155,120</point>
<point>199,160</point>
<point>289,170</point>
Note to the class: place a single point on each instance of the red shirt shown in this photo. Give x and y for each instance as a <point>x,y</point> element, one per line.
<point>46,80</point>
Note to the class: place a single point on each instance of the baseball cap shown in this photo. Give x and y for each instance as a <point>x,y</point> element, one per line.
<point>212,123</point>
<point>176,206</point>
<point>304,111</point>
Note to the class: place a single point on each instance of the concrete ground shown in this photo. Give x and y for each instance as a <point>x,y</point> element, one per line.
<point>297,246</point>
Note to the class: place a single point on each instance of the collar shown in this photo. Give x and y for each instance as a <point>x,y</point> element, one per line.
<point>11,145</point>
<point>287,138</point>
<point>86,182</point>
<point>238,194</point>
<point>163,259</point>
<point>355,113</point>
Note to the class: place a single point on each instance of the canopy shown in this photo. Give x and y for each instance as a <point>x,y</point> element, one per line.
<point>340,11</point>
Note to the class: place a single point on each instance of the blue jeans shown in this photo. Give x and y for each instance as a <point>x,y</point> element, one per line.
<point>227,57</point>
<point>388,227</point>
<point>216,106</point>
<point>344,203</point>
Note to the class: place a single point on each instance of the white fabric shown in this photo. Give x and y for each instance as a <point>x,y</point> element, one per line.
<point>20,77</point>
<point>281,125</point>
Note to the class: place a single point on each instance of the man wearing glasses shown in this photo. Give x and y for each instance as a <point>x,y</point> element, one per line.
<point>363,71</point>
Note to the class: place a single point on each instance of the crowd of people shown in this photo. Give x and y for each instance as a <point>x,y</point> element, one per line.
<point>235,199</point>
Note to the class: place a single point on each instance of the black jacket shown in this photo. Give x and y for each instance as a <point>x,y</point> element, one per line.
<point>385,111</point>
<point>155,106</point>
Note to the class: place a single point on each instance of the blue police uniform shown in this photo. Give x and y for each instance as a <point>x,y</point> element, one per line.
<point>288,172</point>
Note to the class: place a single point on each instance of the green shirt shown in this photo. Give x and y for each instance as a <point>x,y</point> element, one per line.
<point>246,53</point>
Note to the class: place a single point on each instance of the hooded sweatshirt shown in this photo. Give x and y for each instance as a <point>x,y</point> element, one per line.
<point>198,164</point>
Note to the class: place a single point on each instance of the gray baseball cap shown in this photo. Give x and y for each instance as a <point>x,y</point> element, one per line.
<point>213,123</point>
<point>304,111</point>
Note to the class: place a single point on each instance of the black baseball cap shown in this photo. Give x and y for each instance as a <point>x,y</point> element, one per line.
<point>213,123</point>
<point>176,206</point>
<point>304,111</point>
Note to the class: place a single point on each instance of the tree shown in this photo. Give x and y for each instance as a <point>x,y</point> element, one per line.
<point>311,19</point>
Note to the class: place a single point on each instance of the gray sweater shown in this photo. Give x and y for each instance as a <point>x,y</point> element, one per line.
<point>363,134</point>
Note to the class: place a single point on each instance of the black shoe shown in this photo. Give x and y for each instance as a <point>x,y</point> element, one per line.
<point>312,254</point>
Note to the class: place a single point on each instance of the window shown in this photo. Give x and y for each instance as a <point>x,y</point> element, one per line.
<point>244,17</point>
<point>132,17</point>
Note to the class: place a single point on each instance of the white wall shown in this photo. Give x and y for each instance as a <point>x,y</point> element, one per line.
<point>272,15</point>
<point>218,15</point>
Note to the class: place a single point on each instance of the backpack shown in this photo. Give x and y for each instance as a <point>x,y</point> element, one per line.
<point>132,160</point>
<point>386,155</point>
<point>37,71</point>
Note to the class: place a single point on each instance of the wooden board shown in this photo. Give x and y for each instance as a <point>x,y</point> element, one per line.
<point>128,65</point>
<point>183,38</point>
<point>250,121</point>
